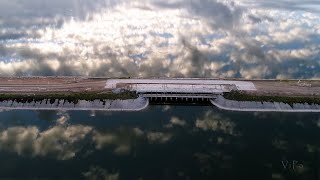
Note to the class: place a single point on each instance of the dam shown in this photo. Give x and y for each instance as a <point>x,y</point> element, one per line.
<point>178,90</point>
<point>108,94</point>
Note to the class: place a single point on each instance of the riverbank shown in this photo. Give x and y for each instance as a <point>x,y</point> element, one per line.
<point>137,104</point>
<point>245,96</point>
<point>263,106</point>
<point>67,97</point>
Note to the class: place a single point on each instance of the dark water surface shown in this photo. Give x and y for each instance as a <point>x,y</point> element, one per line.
<point>162,142</point>
<point>248,39</point>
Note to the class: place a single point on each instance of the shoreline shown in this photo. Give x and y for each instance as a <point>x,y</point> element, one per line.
<point>254,106</point>
<point>128,105</point>
<point>72,89</point>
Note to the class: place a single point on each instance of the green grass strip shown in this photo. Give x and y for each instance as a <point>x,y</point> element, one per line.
<point>70,97</point>
<point>242,96</point>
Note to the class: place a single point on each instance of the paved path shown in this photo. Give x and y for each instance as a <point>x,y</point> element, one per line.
<point>190,85</point>
<point>180,88</point>
<point>34,85</point>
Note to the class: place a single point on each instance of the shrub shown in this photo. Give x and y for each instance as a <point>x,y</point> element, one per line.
<point>242,96</point>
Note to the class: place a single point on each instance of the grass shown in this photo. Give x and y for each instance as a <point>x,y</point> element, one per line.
<point>71,97</point>
<point>242,96</point>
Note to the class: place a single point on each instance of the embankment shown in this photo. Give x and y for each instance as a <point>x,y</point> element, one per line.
<point>137,104</point>
<point>260,106</point>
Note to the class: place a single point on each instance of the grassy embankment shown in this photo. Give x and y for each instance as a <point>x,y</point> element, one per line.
<point>70,97</point>
<point>242,96</point>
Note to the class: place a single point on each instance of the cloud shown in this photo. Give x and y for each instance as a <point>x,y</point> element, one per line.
<point>177,121</point>
<point>96,172</point>
<point>216,14</point>
<point>19,139</point>
<point>58,141</point>
<point>115,140</point>
<point>290,5</point>
<point>103,140</point>
<point>63,141</point>
<point>159,137</point>
<point>167,39</point>
<point>16,13</point>
<point>214,122</point>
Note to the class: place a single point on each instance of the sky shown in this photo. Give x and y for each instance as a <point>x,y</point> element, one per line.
<point>248,39</point>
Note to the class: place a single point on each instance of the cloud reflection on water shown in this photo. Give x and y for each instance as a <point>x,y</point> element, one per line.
<point>248,39</point>
<point>58,142</point>
<point>63,141</point>
<point>96,172</point>
<point>215,122</point>
<point>201,140</point>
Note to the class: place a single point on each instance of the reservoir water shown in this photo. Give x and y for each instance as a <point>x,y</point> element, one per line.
<point>161,142</point>
<point>249,39</point>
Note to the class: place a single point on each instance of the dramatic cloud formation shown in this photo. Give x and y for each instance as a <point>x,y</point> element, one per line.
<point>59,142</point>
<point>64,141</point>
<point>18,14</point>
<point>123,146</point>
<point>292,5</point>
<point>115,140</point>
<point>176,38</point>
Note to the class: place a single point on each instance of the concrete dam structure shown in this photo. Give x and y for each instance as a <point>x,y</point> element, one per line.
<point>178,90</point>
<point>154,90</point>
<point>202,91</point>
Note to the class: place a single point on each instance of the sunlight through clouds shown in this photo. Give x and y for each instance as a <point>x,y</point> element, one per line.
<point>162,38</point>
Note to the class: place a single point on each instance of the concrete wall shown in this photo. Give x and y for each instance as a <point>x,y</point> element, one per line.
<point>226,104</point>
<point>240,85</point>
<point>108,105</point>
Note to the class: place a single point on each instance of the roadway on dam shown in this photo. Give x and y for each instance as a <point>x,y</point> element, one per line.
<point>43,85</point>
<point>155,88</point>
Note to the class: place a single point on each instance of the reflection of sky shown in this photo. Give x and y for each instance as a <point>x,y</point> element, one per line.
<point>163,142</point>
<point>209,38</point>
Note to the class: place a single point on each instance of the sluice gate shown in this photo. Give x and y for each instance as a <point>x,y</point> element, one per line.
<point>179,98</point>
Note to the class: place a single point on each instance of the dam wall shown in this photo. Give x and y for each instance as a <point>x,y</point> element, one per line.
<point>253,106</point>
<point>106,105</point>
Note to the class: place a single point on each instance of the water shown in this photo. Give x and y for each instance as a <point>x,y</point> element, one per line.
<point>196,38</point>
<point>209,38</point>
<point>162,142</point>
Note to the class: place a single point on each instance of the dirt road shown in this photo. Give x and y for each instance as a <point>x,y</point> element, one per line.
<point>43,85</point>
<point>287,87</point>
